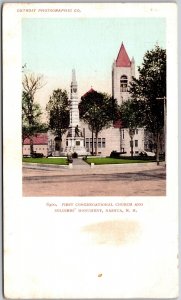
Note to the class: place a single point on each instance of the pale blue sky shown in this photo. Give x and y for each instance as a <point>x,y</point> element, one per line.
<point>53,46</point>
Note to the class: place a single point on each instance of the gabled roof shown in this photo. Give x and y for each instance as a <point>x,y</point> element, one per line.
<point>117,124</point>
<point>89,92</point>
<point>38,139</point>
<point>123,58</point>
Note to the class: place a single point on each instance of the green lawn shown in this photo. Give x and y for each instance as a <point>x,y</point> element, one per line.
<point>108,160</point>
<point>95,160</point>
<point>54,161</point>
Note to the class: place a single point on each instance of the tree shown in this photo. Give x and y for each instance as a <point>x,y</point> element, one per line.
<point>31,111</point>
<point>98,110</point>
<point>130,118</point>
<point>147,91</point>
<point>58,113</point>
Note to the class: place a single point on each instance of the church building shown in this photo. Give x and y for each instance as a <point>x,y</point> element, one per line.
<point>116,138</point>
<point>111,139</point>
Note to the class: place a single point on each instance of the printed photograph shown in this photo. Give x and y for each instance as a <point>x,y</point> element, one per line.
<point>94,106</point>
<point>90,141</point>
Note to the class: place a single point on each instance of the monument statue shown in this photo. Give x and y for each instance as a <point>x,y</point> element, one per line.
<point>75,139</point>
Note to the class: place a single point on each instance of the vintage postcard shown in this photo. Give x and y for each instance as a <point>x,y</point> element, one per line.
<point>90,139</point>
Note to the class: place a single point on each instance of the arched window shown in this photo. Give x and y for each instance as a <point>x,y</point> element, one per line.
<point>123,83</point>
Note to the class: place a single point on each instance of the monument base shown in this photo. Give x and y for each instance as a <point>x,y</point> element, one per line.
<point>75,144</point>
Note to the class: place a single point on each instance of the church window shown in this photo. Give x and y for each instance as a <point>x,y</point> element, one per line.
<point>94,142</point>
<point>103,142</point>
<point>136,131</point>
<point>87,143</point>
<point>123,83</point>
<point>123,134</point>
<point>136,143</point>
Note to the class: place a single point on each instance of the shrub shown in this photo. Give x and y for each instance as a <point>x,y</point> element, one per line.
<point>37,155</point>
<point>75,155</point>
<point>143,154</point>
<point>115,154</point>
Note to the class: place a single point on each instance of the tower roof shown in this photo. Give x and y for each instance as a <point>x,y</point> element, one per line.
<point>123,58</point>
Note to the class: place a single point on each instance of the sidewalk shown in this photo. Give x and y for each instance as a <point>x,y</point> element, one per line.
<point>79,163</point>
<point>80,166</point>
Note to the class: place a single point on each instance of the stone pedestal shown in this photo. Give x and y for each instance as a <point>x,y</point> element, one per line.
<point>76,144</point>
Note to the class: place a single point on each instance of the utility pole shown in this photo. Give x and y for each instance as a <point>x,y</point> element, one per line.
<point>165,123</point>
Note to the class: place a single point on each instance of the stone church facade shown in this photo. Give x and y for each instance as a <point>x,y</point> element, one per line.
<point>111,139</point>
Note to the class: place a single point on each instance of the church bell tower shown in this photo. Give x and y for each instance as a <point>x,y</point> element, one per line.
<point>122,71</point>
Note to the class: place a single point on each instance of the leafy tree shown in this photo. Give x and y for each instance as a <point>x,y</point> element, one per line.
<point>148,93</point>
<point>130,118</point>
<point>31,111</point>
<point>58,113</point>
<point>98,110</point>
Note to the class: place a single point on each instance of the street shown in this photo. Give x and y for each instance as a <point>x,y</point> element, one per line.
<point>109,180</point>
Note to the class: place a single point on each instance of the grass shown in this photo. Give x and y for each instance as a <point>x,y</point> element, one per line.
<point>108,160</point>
<point>95,160</point>
<point>53,161</point>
